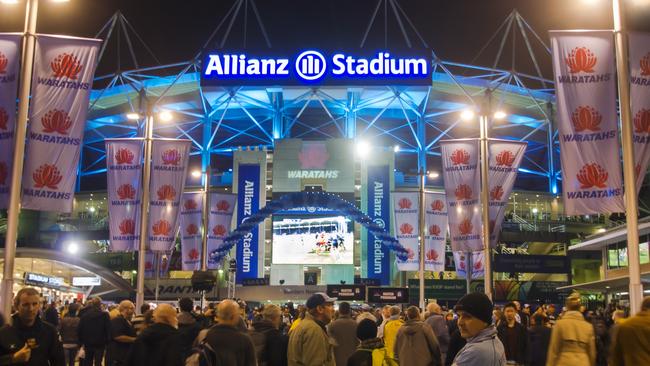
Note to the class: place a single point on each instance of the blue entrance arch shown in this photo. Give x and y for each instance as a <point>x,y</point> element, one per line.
<point>309,199</point>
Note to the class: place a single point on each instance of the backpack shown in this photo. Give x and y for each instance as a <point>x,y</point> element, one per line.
<point>380,357</point>
<point>202,355</point>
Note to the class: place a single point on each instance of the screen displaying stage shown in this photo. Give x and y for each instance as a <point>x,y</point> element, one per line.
<point>313,239</point>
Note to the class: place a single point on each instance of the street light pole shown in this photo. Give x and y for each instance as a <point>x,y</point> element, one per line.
<point>485,203</point>
<point>13,211</point>
<point>144,215</point>
<point>422,235</point>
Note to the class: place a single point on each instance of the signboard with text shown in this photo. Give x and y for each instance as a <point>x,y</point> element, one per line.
<point>347,292</point>
<point>388,295</point>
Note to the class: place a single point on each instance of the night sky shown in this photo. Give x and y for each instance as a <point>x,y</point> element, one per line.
<point>456,30</point>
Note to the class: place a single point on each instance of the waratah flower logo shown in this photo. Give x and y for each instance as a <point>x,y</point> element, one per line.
<point>127,227</point>
<point>4,119</point>
<point>66,65</point>
<point>171,157</point>
<point>432,255</point>
<point>505,158</point>
<point>57,121</point>
<point>190,205</point>
<point>461,262</point>
<point>637,171</point>
<point>642,121</point>
<point>592,175</point>
<point>126,192</point>
<point>434,230</point>
<point>219,230</point>
<point>3,63</point>
<point>645,65</point>
<point>313,155</point>
<point>148,266</point>
<point>192,229</point>
<point>410,253</point>
<point>465,227</point>
<point>406,229</point>
<point>478,265</point>
<point>124,156</point>
<point>223,206</point>
<point>581,59</point>
<point>4,173</point>
<point>404,204</point>
<point>496,193</point>
<point>47,176</point>
<point>463,192</point>
<point>459,157</point>
<point>437,205</point>
<point>586,118</point>
<point>166,193</point>
<point>161,228</point>
<point>193,254</point>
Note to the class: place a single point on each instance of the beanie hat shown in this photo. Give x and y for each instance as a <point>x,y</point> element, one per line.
<point>477,305</point>
<point>366,329</point>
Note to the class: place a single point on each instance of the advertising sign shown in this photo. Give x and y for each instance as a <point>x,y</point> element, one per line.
<point>435,237</point>
<point>347,292</point>
<point>86,281</point>
<point>10,45</point>
<point>222,208</point>
<point>378,208</point>
<point>388,295</point>
<point>405,207</point>
<point>532,263</point>
<point>248,203</point>
<point>191,230</point>
<point>640,101</point>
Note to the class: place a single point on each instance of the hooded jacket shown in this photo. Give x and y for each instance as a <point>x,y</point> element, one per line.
<point>572,342</point>
<point>484,349</point>
<point>189,328</point>
<point>416,345</point>
<point>157,345</point>
<point>390,333</point>
<point>310,345</point>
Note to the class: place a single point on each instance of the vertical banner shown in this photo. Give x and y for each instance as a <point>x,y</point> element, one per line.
<point>222,207</point>
<point>463,188</point>
<point>435,219</point>
<point>249,188</point>
<point>460,261</point>
<point>640,101</point>
<point>378,208</point>
<point>168,172</point>
<point>149,266</point>
<point>9,65</point>
<point>407,227</point>
<point>504,160</point>
<point>124,173</point>
<point>585,84</point>
<point>64,68</point>
<point>191,230</point>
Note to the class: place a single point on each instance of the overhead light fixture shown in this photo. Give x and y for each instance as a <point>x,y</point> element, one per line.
<point>396,148</point>
<point>132,116</point>
<point>165,116</point>
<point>467,115</point>
<point>362,149</point>
<point>196,173</point>
<point>500,115</point>
<point>72,247</point>
<point>9,2</point>
<point>433,175</point>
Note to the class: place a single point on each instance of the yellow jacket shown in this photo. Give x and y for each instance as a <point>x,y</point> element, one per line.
<point>390,335</point>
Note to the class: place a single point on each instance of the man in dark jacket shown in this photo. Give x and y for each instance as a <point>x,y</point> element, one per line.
<point>232,347</point>
<point>188,325</point>
<point>342,331</point>
<point>52,315</point>
<point>438,323</point>
<point>416,345</point>
<point>539,336</point>
<point>27,340</point>
<point>122,334</point>
<point>94,332</point>
<point>159,343</point>
<point>270,344</point>
<point>513,335</point>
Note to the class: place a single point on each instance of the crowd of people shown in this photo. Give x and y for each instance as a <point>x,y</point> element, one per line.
<point>473,333</point>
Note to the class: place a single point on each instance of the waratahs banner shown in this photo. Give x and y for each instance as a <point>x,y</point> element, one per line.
<point>124,173</point>
<point>9,65</point>
<point>407,227</point>
<point>64,68</point>
<point>163,263</point>
<point>222,207</point>
<point>378,208</point>
<point>460,261</point>
<point>169,160</point>
<point>504,159</point>
<point>463,187</point>
<point>191,231</point>
<point>640,101</point>
<point>585,84</point>
<point>435,219</point>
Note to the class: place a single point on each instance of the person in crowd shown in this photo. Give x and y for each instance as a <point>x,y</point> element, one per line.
<point>631,345</point>
<point>385,315</point>
<point>522,317</point>
<point>27,340</point>
<point>379,315</point>
<point>231,346</point>
<point>550,315</point>
<point>52,314</point>
<point>456,343</point>
<point>539,336</point>
<point>113,311</point>
<point>603,340</point>
<point>391,328</point>
<point>69,334</point>
<point>94,332</point>
<point>309,343</point>
<point>437,322</point>
<point>269,341</point>
<point>366,332</point>
<point>188,325</point>
<point>366,313</point>
<point>342,331</point>
<point>497,316</point>
<point>572,339</point>
<point>513,336</point>
<point>159,343</point>
<point>138,320</point>
<point>123,334</point>
<point>416,344</point>
<point>483,347</point>
<point>299,317</point>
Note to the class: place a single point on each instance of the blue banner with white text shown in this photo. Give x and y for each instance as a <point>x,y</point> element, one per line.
<point>378,208</point>
<point>248,203</point>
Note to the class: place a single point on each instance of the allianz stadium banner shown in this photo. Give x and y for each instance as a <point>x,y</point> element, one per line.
<point>460,261</point>
<point>585,84</point>
<point>640,101</point>
<point>169,160</point>
<point>463,187</point>
<point>378,208</point>
<point>10,46</point>
<point>64,68</point>
<point>504,159</point>
<point>407,228</point>
<point>191,231</point>
<point>222,207</point>
<point>249,192</point>
<point>435,219</point>
<point>124,174</point>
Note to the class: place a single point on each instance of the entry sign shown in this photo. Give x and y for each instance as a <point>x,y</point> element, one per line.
<point>347,292</point>
<point>388,295</point>
<point>309,67</point>
<point>86,281</point>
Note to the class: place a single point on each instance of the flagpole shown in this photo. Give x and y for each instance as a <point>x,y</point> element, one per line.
<point>144,215</point>
<point>483,121</point>
<point>206,215</point>
<point>422,235</point>
<point>13,211</point>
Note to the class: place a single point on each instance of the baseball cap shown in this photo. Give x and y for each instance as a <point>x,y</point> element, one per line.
<point>319,298</point>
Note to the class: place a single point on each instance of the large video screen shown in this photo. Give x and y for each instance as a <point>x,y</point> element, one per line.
<point>313,240</point>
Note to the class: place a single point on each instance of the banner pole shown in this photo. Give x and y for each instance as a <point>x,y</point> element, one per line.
<point>144,215</point>
<point>468,271</point>
<point>13,211</point>
<point>422,234</point>
<point>205,217</point>
<point>483,121</point>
